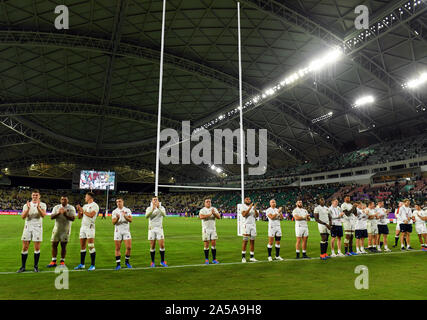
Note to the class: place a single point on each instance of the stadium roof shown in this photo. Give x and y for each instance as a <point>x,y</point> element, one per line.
<point>89,95</point>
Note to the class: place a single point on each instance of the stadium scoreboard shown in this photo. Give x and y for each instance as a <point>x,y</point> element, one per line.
<point>97,180</point>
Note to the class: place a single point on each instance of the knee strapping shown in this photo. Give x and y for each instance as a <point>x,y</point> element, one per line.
<point>252,237</point>
<point>91,247</point>
<point>278,238</point>
<point>245,238</point>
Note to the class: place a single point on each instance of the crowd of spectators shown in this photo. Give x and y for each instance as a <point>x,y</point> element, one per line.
<point>395,150</point>
<point>226,201</point>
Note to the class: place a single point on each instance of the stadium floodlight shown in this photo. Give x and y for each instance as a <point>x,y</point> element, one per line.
<point>324,117</point>
<point>415,83</point>
<point>316,65</point>
<point>363,101</point>
<point>329,58</point>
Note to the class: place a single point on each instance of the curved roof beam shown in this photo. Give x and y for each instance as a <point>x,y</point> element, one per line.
<point>31,38</point>
<point>15,109</point>
<point>78,42</point>
<point>56,144</point>
<point>12,140</point>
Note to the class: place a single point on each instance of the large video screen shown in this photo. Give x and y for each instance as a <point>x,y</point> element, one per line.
<point>97,180</point>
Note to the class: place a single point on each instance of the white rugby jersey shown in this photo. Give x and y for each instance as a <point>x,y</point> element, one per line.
<point>122,224</point>
<point>362,220</point>
<point>90,207</point>
<point>382,212</point>
<point>250,217</point>
<point>374,221</point>
<point>405,213</point>
<point>208,223</point>
<point>418,220</point>
<point>61,222</point>
<point>300,212</point>
<point>34,217</point>
<point>323,213</point>
<point>155,216</point>
<point>348,207</point>
<point>335,214</point>
<point>273,222</point>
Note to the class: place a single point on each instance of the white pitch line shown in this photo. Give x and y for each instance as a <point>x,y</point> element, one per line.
<point>220,264</point>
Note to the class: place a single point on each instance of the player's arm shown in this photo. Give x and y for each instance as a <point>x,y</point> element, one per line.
<point>204,216</point>
<point>128,217</point>
<point>346,212</point>
<point>162,211</point>
<point>72,216</point>
<point>280,215</point>
<point>216,214</point>
<point>272,216</point>
<point>89,214</point>
<point>149,212</point>
<point>424,218</point>
<point>317,217</point>
<point>26,211</point>
<point>256,211</point>
<point>246,212</point>
<point>55,213</point>
<point>114,219</point>
<point>41,211</point>
<point>298,217</point>
<point>80,211</point>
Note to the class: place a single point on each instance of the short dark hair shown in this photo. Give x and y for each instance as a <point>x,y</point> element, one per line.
<point>120,198</point>
<point>91,194</point>
<point>35,191</point>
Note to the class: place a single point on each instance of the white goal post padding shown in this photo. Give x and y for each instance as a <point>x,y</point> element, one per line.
<point>239,220</point>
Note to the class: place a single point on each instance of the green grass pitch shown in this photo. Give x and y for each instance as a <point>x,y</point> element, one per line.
<point>391,276</point>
